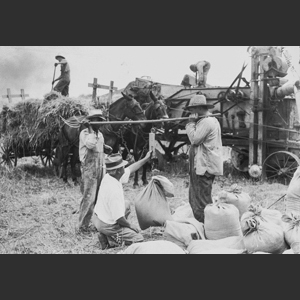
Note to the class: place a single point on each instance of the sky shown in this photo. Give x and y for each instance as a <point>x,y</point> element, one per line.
<point>32,67</point>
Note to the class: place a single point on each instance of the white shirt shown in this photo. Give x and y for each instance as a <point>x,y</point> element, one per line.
<point>89,141</point>
<point>110,204</point>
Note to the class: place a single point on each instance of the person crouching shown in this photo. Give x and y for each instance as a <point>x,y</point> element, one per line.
<point>111,210</point>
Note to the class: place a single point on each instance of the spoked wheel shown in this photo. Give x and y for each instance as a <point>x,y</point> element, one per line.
<point>8,158</point>
<point>47,157</point>
<point>183,151</point>
<point>280,166</point>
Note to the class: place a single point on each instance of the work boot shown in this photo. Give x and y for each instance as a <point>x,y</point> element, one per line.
<point>104,244</point>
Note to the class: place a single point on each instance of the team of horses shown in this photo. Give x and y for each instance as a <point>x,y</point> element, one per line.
<point>130,137</point>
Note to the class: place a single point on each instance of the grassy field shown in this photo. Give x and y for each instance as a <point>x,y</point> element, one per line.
<point>37,208</point>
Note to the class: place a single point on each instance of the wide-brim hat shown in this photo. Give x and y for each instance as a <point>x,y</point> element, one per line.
<point>59,55</point>
<point>198,101</point>
<point>115,161</point>
<point>94,113</point>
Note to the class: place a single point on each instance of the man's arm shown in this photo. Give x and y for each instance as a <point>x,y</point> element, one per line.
<point>197,134</point>
<point>137,165</point>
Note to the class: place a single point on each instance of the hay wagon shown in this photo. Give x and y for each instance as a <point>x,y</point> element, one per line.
<point>31,127</point>
<point>10,153</point>
<point>260,121</point>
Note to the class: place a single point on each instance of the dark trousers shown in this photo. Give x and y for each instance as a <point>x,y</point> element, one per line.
<point>200,189</point>
<point>92,174</point>
<point>62,87</point>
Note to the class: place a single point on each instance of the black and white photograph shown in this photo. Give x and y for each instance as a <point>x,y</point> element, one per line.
<point>150,150</point>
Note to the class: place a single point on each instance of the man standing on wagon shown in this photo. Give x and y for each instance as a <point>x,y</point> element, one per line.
<point>205,154</point>
<point>64,79</point>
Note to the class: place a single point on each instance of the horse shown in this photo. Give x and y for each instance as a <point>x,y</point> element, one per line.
<point>125,107</point>
<point>155,110</point>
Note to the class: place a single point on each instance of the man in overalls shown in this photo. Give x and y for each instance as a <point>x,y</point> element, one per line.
<point>91,154</point>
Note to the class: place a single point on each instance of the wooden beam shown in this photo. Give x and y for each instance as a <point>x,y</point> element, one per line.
<point>95,89</point>
<point>253,97</point>
<point>100,86</point>
<point>150,121</point>
<point>111,90</point>
<point>261,129</point>
<point>10,96</point>
<point>96,86</point>
<point>23,95</point>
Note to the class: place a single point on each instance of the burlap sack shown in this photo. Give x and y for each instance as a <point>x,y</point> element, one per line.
<point>182,212</point>
<point>221,220</point>
<point>264,236</point>
<point>152,208</point>
<point>234,243</point>
<point>221,250</point>
<point>240,200</point>
<point>154,247</point>
<point>291,228</point>
<point>182,232</point>
<point>292,199</point>
<point>264,214</point>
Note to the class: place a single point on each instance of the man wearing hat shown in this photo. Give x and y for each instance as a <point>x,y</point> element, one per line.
<point>64,78</point>
<point>91,154</point>
<point>111,210</point>
<point>205,154</point>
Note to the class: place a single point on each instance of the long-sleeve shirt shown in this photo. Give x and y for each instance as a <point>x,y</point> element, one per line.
<point>205,136</point>
<point>65,70</point>
<point>90,141</point>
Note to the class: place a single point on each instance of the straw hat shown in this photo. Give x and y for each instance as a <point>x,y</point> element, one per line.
<point>95,113</point>
<point>199,100</point>
<point>115,161</point>
<point>59,55</point>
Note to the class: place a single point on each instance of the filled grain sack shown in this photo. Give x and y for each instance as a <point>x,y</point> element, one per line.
<point>292,199</point>
<point>182,232</point>
<point>233,242</point>
<point>221,220</point>
<point>290,251</point>
<point>240,200</point>
<point>182,212</point>
<point>221,250</point>
<point>269,215</point>
<point>291,228</point>
<point>264,236</point>
<point>151,205</point>
<point>166,185</point>
<point>154,247</point>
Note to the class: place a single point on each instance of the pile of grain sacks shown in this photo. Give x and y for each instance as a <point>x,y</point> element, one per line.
<point>232,225</point>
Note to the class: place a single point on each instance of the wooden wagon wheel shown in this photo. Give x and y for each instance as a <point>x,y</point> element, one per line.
<point>8,157</point>
<point>281,166</point>
<point>183,150</point>
<point>47,157</point>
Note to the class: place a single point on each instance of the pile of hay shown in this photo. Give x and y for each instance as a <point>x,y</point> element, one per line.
<point>34,123</point>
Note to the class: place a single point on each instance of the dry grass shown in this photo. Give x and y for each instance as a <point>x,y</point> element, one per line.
<point>37,209</point>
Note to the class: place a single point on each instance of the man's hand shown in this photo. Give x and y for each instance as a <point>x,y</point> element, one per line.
<point>149,155</point>
<point>107,149</point>
<point>193,117</point>
<point>53,82</point>
<point>56,64</point>
<point>134,228</point>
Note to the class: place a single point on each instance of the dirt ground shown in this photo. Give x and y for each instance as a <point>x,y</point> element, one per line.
<point>37,209</point>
